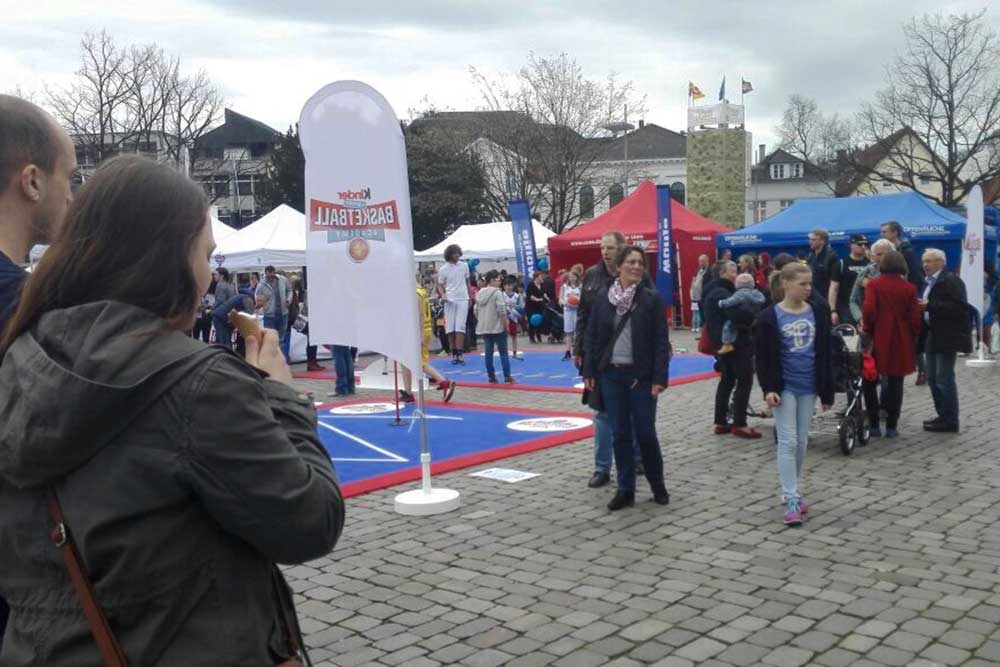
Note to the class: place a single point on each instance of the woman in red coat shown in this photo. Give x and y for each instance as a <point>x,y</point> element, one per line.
<point>891,316</point>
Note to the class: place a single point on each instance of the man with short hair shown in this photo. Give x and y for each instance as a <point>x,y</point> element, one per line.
<point>845,274</point>
<point>736,366</point>
<point>892,231</point>
<point>821,262</point>
<point>949,331</point>
<point>273,298</point>
<point>37,162</point>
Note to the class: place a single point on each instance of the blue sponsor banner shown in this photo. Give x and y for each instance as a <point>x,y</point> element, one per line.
<point>664,246</point>
<point>524,239</point>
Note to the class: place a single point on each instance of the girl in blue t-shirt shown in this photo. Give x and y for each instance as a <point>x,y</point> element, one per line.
<point>793,367</point>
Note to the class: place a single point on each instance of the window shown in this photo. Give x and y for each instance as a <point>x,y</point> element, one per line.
<point>216,186</point>
<point>925,179</point>
<point>777,171</point>
<point>258,150</point>
<point>86,156</point>
<point>226,216</point>
<point>761,210</point>
<point>512,188</point>
<point>586,202</point>
<point>245,184</point>
<point>796,170</point>
<point>615,195</point>
<point>678,192</point>
<point>785,203</point>
<point>214,153</point>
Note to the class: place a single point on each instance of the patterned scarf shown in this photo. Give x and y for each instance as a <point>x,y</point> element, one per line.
<point>620,297</point>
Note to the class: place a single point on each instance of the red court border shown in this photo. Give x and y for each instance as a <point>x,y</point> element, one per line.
<point>379,482</point>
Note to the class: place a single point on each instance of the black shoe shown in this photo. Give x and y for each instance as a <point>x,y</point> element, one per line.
<point>661,497</point>
<point>460,360</point>
<point>598,479</point>
<point>493,380</point>
<point>621,501</point>
<point>936,420</point>
<point>941,427</point>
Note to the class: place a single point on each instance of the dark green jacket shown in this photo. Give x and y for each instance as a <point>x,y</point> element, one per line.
<point>183,474</point>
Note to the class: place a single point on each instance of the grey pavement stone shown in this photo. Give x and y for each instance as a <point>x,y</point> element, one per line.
<point>902,534</point>
<point>787,656</point>
<point>701,649</point>
<point>486,658</point>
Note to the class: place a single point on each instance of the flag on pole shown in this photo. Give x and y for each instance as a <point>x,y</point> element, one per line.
<point>359,237</point>
<point>747,87</point>
<point>694,91</point>
<point>722,90</point>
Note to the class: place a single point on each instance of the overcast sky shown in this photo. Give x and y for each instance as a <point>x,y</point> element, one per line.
<point>268,57</point>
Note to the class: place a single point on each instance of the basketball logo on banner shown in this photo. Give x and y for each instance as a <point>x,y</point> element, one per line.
<point>353,220</point>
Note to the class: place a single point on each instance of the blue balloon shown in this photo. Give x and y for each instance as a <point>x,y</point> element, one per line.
<point>543,263</point>
<point>473,263</point>
<point>536,320</point>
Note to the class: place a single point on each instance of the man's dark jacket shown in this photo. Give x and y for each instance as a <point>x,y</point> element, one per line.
<point>595,279</point>
<point>914,270</point>
<point>950,324</point>
<point>650,336</point>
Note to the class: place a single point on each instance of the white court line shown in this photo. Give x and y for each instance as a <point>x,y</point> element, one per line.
<point>394,457</point>
<point>404,417</point>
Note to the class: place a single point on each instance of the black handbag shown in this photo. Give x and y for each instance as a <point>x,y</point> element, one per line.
<point>592,397</point>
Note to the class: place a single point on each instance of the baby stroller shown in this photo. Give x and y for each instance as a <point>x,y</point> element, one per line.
<point>555,320</point>
<point>847,361</point>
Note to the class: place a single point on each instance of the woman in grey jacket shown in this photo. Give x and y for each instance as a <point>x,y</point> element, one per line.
<point>184,472</point>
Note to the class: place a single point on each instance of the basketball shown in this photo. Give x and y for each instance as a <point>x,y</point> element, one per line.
<point>573,300</point>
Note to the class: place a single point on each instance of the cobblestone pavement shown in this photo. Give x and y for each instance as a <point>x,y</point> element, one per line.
<point>897,566</point>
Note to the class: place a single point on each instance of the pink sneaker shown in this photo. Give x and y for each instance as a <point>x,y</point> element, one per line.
<point>793,513</point>
<point>803,507</point>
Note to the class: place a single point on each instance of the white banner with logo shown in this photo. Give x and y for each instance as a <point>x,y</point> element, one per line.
<point>359,245</point>
<point>973,249</point>
<point>722,113</point>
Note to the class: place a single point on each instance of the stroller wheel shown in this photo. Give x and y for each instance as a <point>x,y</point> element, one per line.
<point>864,430</point>
<point>848,432</point>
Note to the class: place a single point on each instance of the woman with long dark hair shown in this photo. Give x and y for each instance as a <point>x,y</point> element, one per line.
<point>183,472</point>
<point>626,358</point>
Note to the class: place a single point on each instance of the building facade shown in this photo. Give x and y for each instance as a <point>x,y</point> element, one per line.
<point>154,145</point>
<point>230,162</point>
<point>778,180</point>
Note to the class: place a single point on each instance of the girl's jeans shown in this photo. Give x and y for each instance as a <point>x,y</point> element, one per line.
<point>791,420</point>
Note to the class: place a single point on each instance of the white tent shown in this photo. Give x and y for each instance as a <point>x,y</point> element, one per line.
<point>221,231</point>
<point>488,241</point>
<point>278,239</point>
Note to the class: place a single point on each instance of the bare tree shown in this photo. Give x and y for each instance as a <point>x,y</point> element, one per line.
<point>938,118</point>
<point>809,134</point>
<point>124,98</point>
<point>543,145</point>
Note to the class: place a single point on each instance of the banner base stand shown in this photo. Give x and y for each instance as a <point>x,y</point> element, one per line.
<point>981,361</point>
<point>424,503</point>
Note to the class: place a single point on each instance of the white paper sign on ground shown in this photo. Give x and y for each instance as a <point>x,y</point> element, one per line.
<point>505,474</point>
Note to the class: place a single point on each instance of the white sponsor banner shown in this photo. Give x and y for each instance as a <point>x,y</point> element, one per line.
<point>973,249</point>
<point>722,113</point>
<point>359,240</point>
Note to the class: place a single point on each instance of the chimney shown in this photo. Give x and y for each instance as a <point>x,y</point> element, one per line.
<point>761,152</point>
<point>642,123</point>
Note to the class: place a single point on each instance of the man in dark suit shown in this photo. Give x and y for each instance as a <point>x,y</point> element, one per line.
<point>949,331</point>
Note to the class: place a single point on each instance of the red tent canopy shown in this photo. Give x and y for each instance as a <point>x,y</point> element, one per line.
<point>635,217</point>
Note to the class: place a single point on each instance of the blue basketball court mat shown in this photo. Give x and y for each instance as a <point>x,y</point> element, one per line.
<point>370,452</point>
<point>546,371</point>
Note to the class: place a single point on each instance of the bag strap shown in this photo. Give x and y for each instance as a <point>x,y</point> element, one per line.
<point>61,537</point>
<point>605,359</point>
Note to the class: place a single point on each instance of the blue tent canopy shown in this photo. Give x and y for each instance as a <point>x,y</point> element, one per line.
<point>924,223</point>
